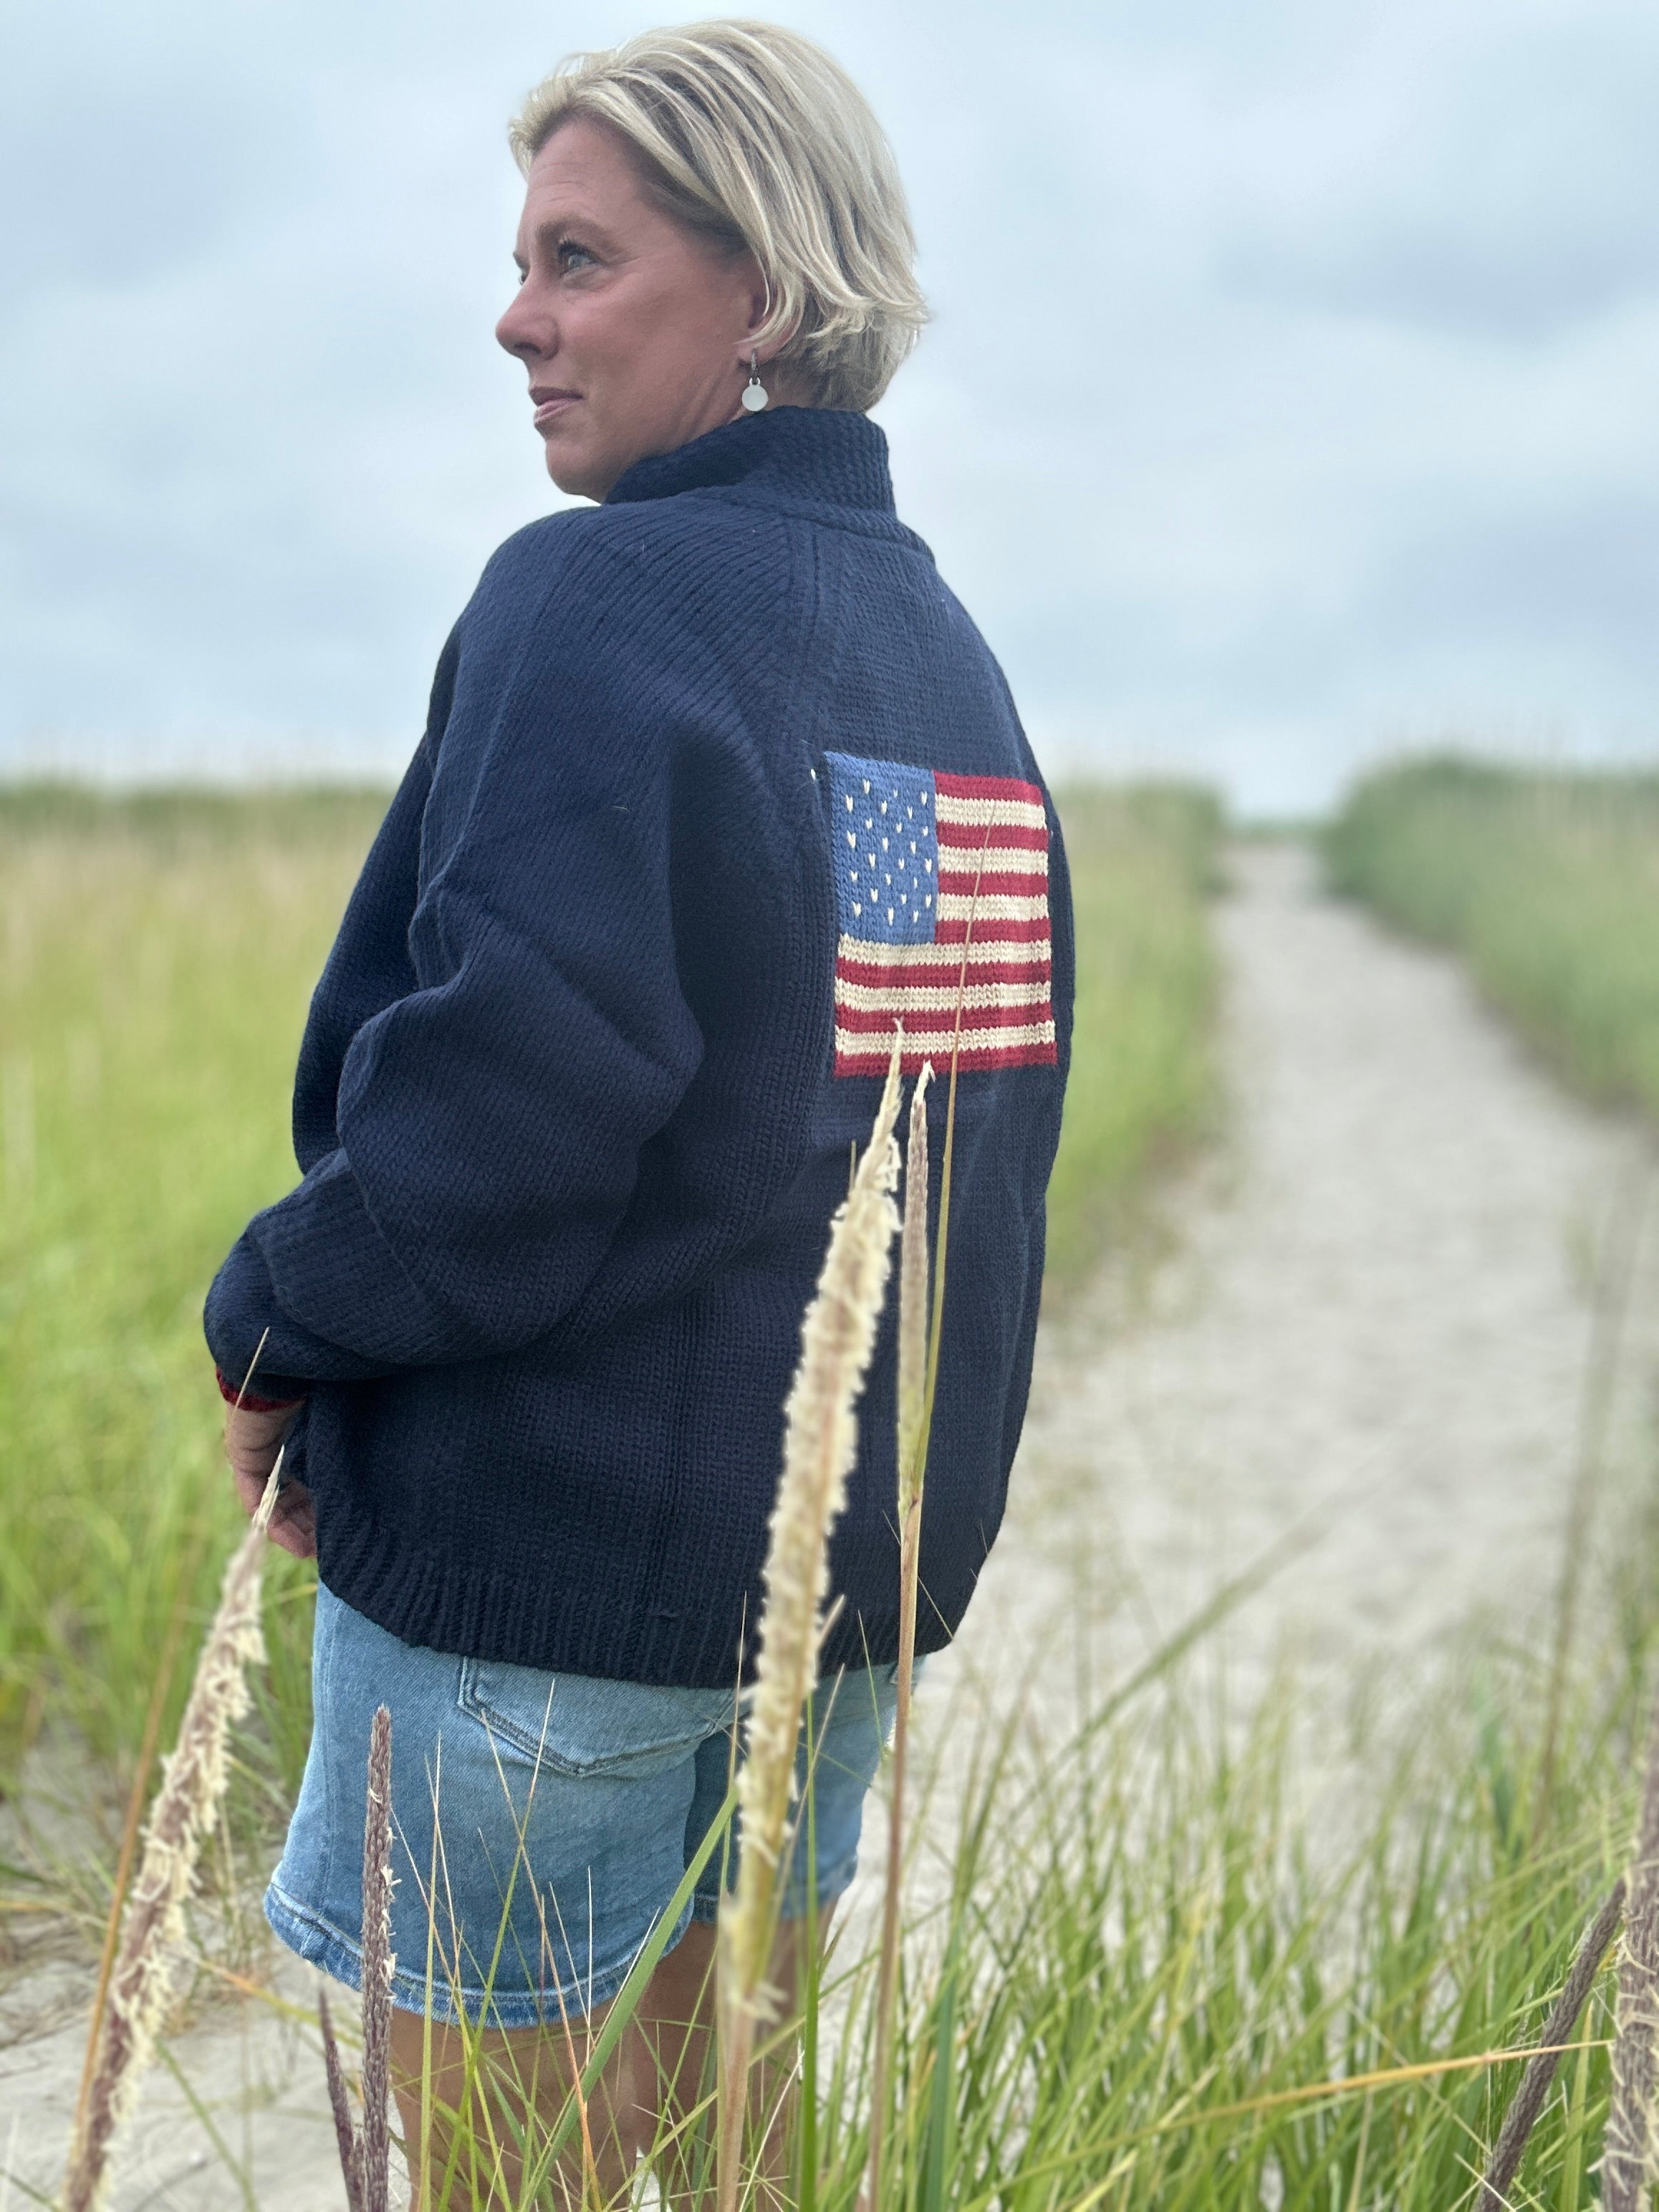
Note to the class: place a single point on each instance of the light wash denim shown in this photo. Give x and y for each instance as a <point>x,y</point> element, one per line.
<point>541,1824</point>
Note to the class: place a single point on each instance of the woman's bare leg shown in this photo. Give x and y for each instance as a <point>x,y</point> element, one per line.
<point>494,2082</point>
<point>677,2025</point>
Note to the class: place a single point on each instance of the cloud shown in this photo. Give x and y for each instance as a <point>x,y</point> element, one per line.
<point>1290,385</point>
<point>1508,196</point>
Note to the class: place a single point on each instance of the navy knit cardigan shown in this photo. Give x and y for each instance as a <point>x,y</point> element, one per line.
<point>577,1096</point>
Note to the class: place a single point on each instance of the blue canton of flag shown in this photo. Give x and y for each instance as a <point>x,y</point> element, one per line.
<point>886,871</point>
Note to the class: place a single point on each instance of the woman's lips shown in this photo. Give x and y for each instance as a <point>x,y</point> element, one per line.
<point>549,405</point>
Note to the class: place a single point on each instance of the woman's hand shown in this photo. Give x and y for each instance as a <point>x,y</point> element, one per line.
<point>252,1441</point>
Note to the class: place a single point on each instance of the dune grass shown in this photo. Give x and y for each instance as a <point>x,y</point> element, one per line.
<point>1144,1992</point>
<point>1129,1979</point>
<point>1143,1086</point>
<point>1546,884</point>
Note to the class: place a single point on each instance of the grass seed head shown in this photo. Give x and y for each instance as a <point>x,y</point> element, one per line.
<point>379,1964</point>
<point>193,1778</point>
<point>1628,2158</point>
<point>838,1336</point>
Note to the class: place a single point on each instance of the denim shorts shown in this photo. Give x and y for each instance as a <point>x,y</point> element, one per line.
<point>541,1824</point>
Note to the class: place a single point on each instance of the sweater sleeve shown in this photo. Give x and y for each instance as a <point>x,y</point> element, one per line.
<point>490,1122</point>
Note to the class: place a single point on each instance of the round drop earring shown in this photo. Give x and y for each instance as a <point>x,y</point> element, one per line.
<point>754,393</point>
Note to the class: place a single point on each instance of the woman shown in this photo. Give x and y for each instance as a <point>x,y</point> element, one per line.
<point>718,782</point>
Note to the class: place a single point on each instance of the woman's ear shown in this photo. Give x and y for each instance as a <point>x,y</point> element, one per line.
<point>758,302</point>
<point>777,345</point>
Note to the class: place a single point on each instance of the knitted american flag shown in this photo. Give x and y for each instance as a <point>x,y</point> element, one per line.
<point>942,886</point>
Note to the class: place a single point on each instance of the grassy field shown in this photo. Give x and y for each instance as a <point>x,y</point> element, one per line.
<point>1547,884</point>
<point>156,962</point>
<point>1141,1992</point>
<point>156,957</point>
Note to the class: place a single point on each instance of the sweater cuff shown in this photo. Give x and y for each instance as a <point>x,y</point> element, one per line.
<point>249,1400</point>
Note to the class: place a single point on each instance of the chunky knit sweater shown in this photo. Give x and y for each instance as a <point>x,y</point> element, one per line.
<point>719,782</point>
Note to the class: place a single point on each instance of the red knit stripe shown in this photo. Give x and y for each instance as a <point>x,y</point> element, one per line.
<point>879,1020</point>
<point>1010,933</point>
<point>963,883</point>
<point>987,786</point>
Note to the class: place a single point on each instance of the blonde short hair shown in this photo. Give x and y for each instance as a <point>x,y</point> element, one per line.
<point>752,136</point>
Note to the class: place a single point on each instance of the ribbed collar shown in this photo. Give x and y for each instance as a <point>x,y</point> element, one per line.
<point>820,456</point>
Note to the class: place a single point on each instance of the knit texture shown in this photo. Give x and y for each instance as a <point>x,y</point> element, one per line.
<point>567,1111</point>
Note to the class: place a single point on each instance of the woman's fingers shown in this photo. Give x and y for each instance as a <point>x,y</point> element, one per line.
<point>293,1522</point>
<point>250,1489</point>
<point>252,1440</point>
<point>292,1518</point>
<point>251,1435</point>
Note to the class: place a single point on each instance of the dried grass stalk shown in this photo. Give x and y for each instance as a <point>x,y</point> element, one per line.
<point>129,1827</point>
<point>912,1442</point>
<point>193,1781</point>
<point>339,2104</point>
<point>838,1336</point>
<point>375,2162</point>
<point>914,1313</point>
<point>1628,2159</point>
<point>365,2153</point>
<point>1528,2102</point>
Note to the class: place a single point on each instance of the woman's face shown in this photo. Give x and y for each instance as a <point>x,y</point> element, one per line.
<point>634,332</point>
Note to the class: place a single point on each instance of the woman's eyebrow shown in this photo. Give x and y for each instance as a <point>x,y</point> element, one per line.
<point>557,229</point>
<point>554,230</point>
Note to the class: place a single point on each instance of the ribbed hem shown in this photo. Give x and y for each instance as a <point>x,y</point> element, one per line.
<point>428,1599</point>
<point>794,1903</point>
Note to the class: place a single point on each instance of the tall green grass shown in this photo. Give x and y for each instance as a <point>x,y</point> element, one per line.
<point>1548,884</point>
<point>156,956</point>
<point>1144,1084</point>
<point>1145,1992</point>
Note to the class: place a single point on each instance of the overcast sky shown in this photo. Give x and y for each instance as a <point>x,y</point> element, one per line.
<point>1293,391</point>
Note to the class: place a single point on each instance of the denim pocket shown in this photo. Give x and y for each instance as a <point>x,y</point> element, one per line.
<point>582,1724</point>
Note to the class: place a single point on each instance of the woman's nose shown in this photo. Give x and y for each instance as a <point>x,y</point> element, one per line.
<point>519,332</point>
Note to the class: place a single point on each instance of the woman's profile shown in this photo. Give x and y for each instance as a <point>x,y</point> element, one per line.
<point>719,784</point>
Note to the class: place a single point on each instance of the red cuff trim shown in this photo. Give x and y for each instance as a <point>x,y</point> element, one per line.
<point>248,1400</point>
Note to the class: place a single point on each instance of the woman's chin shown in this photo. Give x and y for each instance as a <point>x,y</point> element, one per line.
<point>576,468</point>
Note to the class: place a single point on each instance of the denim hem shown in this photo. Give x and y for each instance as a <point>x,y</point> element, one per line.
<point>833,1882</point>
<point>321,1944</point>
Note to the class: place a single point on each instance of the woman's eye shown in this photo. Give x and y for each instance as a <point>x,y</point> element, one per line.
<point>572,256</point>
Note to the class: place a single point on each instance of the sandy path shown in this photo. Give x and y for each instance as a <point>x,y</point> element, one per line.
<point>1376,1309</point>
<point>1378,1320</point>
